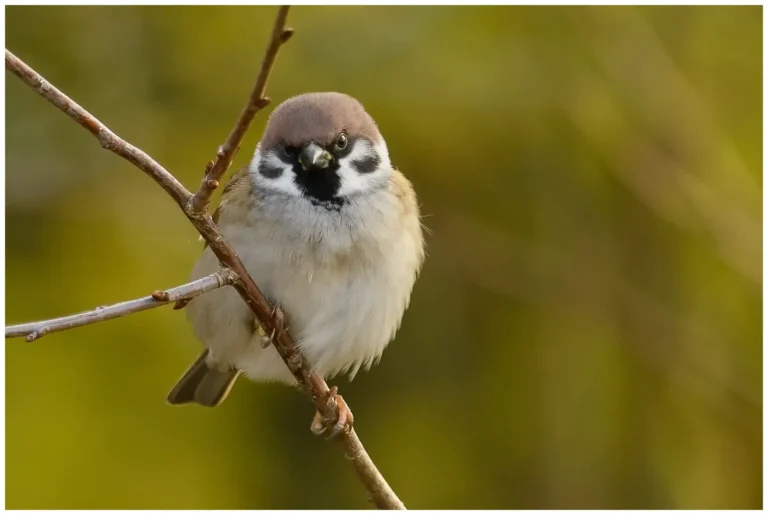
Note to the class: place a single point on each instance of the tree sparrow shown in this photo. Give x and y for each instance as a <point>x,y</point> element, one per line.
<point>329,230</point>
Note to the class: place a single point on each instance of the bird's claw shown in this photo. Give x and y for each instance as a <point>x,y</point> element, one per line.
<point>266,341</point>
<point>343,423</point>
<point>279,318</point>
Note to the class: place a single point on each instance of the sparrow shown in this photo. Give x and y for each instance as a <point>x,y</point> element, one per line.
<point>329,230</point>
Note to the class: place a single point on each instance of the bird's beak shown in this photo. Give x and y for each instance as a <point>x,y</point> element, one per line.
<point>314,156</point>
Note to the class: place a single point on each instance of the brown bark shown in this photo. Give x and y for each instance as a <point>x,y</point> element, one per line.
<point>195,208</point>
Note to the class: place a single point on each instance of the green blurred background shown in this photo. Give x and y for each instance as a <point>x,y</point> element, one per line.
<point>586,332</point>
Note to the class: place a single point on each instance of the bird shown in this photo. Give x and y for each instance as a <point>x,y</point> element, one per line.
<point>329,230</point>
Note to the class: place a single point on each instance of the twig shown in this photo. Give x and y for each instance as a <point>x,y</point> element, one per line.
<point>381,493</point>
<point>34,330</point>
<point>108,139</point>
<point>313,385</point>
<point>215,170</point>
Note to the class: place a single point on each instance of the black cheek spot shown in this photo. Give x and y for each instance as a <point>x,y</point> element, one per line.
<point>367,164</point>
<point>269,171</point>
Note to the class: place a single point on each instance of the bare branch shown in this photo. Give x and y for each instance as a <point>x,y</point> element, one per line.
<point>108,139</point>
<point>257,101</point>
<point>35,330</point>
<point>313,385</point>
<point>381,493</point>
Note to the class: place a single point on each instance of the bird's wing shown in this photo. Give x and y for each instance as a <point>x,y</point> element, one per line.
<point>236,195</point>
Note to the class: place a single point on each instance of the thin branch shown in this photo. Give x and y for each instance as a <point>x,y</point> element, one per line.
<point>34,330</point>
<point>107,139</point>
<point>381,493</point>
<point>257,101</point>
<point>315,387</point>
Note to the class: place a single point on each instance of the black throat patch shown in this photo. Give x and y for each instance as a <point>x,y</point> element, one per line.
<point>322,185</point>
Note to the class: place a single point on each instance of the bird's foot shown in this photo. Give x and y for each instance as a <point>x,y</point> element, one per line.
<point>277,315</point>
<point>266,341</point>
<point>320,424</point>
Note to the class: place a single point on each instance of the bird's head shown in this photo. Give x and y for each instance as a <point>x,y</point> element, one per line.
<point>321,146</point>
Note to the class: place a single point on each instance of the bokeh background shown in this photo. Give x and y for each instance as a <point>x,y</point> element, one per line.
<point>586,332</point>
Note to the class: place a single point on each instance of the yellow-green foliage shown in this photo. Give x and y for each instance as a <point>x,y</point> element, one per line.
<point>587,329</point>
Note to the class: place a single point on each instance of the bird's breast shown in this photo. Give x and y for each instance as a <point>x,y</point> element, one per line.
<point>343,279</point>
<point>342,309</point>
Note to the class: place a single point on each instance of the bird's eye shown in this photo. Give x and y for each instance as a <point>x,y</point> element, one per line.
<point>341,142</point>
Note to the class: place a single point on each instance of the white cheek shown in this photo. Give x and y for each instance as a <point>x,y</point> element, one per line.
<point>352,181</point>
<point>282,184</point>
<point>381,149</point>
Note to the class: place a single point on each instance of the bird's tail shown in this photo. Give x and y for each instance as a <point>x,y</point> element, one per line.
<point>202,384</point>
